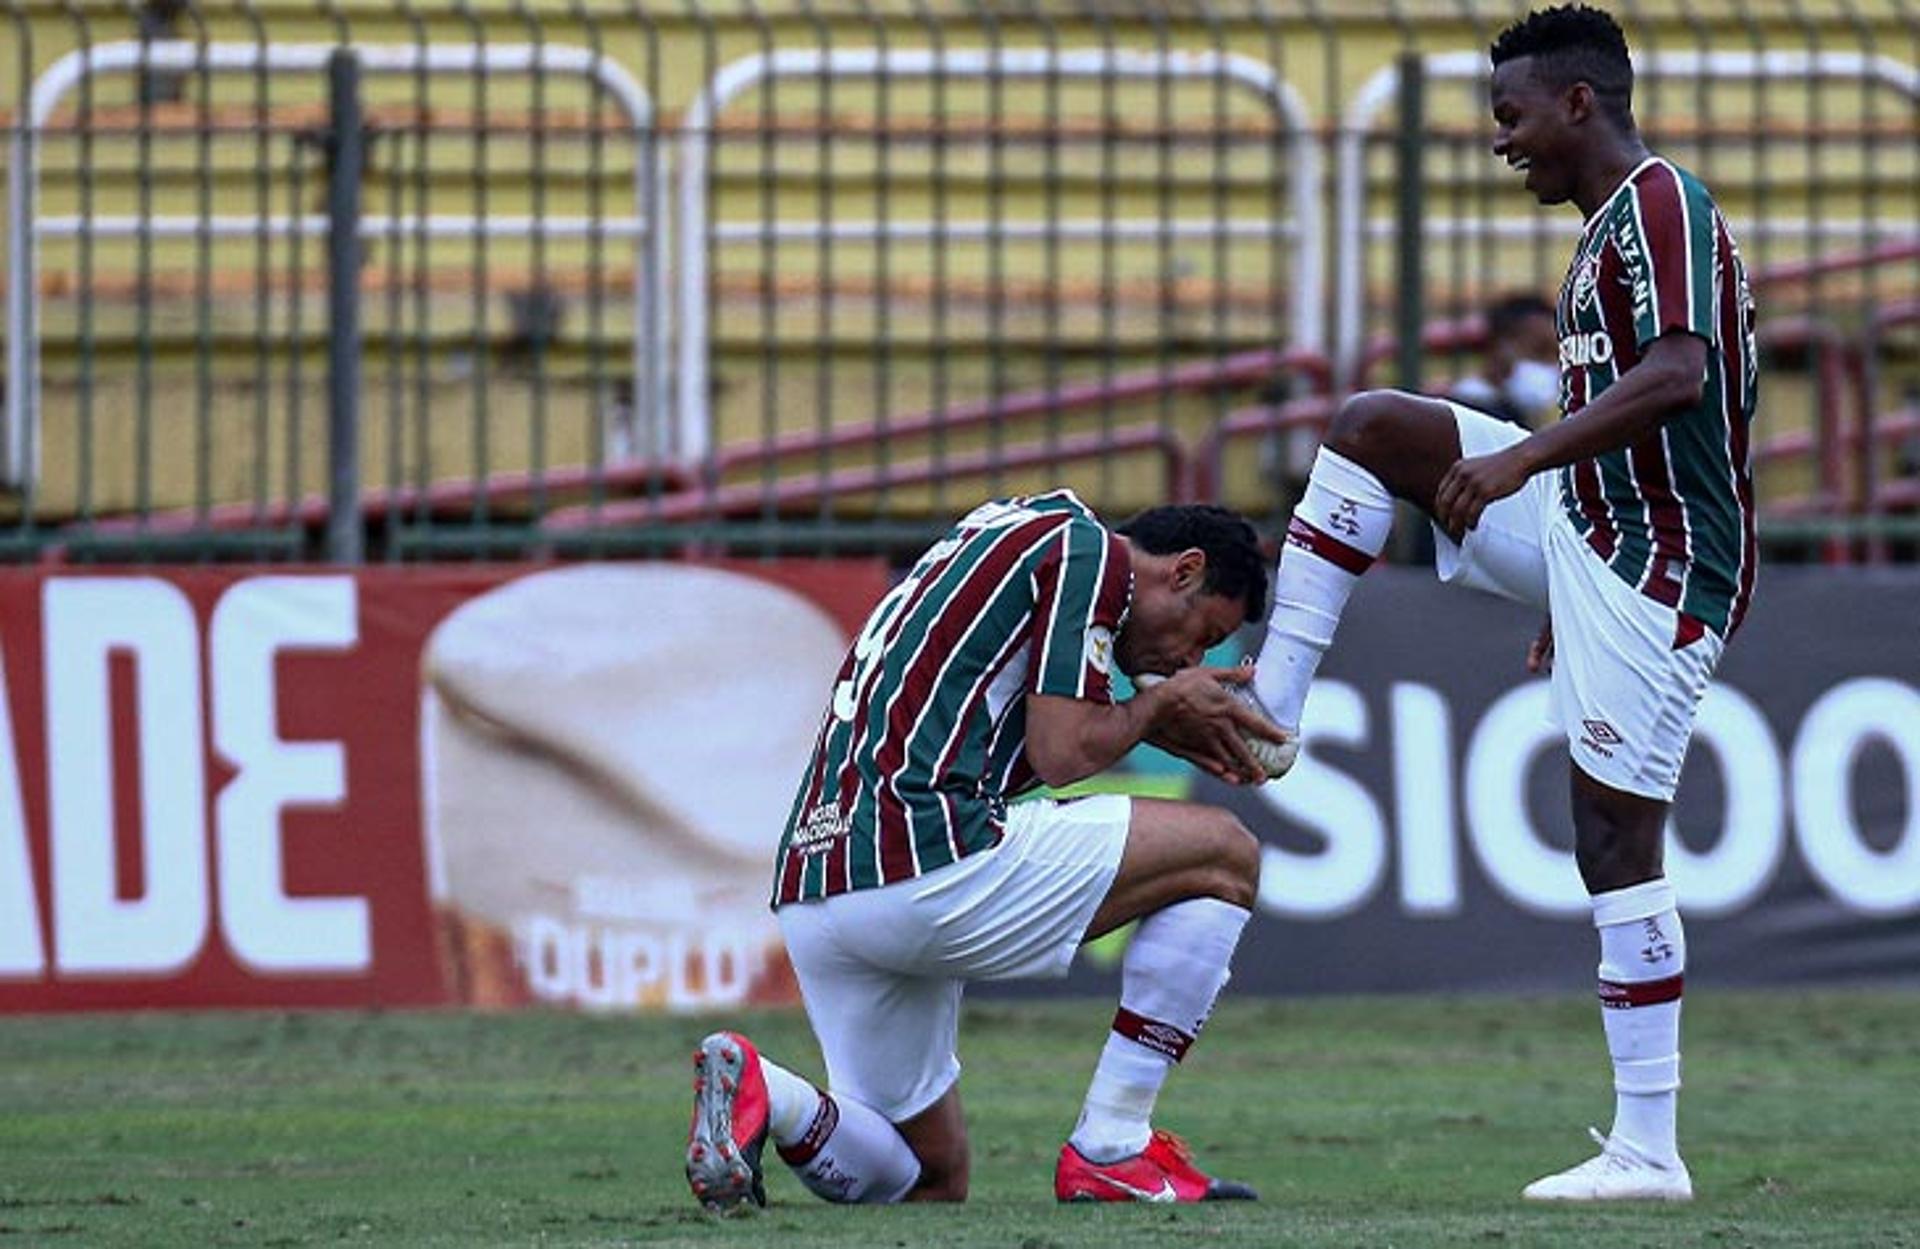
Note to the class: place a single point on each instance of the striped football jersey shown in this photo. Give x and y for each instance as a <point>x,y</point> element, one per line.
<point>1671,514</point>
<point>926,738</point>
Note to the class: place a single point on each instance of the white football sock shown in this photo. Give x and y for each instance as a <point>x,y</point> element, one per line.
<point>1338,529</point>
<point>1643,955</point>
<point>1173,970</point>
<point>848,1153</point>
<point>791,1101</point>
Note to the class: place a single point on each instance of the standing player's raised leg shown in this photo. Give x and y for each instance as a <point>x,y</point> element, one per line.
<point>1381,446</point>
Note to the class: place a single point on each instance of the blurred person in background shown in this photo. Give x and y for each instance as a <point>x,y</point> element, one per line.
<point>1519,377</point>
<point>1631,522</point>
<point>907,870</point>
<point>1518,381</point>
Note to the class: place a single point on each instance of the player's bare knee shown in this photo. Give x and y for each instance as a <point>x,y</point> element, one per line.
<point>1235,861</point>
<point>1364,427</point>
<point>1616,843</point>
<point>942,1181</point>
<point>1613,858</point>
<point>1615,866</point>
<point>1595,867</point>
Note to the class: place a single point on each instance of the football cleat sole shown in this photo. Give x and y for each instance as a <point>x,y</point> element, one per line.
<point>724,1176</point>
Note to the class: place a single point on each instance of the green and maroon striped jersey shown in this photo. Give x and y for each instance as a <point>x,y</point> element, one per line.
<point>926,738</point>
<point>1671,514</point>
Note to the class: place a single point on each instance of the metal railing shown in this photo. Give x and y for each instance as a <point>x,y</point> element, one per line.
<point>996,65</point>
<point>1701,69</point>
<point>628,279</point>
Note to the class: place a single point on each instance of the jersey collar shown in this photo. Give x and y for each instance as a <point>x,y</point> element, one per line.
<point>1615,193</point>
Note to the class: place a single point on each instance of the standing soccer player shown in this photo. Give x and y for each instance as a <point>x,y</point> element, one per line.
<point>1631,522</point>
<point>904,872</point>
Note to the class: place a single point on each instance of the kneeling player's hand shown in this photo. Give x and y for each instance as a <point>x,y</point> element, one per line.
<point>1201,721</point>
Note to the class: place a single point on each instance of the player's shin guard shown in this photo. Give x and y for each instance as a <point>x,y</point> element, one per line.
<point>1174,969</point>
<point>1643,958</point>
<point>848,1153</point>
<point>1338,529</point>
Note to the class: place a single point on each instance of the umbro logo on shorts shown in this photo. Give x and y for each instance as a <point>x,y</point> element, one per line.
<point>1602,732</point>
<point>1601,737</point>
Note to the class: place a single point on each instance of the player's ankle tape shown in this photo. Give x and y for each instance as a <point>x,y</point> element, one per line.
<point>1648,1076</point>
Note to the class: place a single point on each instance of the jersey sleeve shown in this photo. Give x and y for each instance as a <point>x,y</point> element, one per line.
<point>1082,586</point>
<point>1666,247</point>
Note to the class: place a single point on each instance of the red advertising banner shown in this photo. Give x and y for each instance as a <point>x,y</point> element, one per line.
<point>406,786</point>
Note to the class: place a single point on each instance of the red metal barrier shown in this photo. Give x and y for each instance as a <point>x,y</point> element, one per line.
<point>444,499</point>
<point>1247,368</point>
<point>676,495</point>
<point>1839,371</point>
<point>1792,271</point>
<point>1311,412</point>
<point>1900,493</point>
<point>1878,433</point>
<point>749,499</point>
<point>1438,338</point>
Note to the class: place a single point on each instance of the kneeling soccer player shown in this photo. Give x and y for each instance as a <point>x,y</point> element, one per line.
<point>904,873</point>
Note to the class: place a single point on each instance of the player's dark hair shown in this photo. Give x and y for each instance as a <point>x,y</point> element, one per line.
<point>1574,43</point>
<point>1509,312</point>
<point>1235,566</point>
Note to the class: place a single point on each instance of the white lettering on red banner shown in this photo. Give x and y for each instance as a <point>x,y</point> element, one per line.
<point>87,625</point>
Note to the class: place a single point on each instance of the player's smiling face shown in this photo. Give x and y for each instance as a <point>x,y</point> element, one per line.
<point>1530,130</point>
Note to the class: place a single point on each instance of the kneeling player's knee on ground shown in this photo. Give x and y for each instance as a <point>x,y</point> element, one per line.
<point>941,1181</point>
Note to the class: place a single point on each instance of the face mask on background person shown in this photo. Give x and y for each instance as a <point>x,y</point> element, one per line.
<point>1533,387</point>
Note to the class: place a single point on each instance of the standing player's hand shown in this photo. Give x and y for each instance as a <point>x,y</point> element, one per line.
<point>1472,483</point>
<point>1540,654</point>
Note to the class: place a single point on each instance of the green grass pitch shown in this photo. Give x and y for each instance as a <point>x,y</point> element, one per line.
<point>1378,1122</point>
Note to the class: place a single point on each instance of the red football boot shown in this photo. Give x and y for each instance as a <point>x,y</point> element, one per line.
<point>729,1128</point>
<point>1162,1172</point>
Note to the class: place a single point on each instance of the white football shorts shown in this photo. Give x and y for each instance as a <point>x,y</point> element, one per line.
<point>882,970</point>
<point>1625,697</point>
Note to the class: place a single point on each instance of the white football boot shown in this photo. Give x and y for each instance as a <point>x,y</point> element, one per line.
<point>1618,1173</point>
<point>1276,757</point>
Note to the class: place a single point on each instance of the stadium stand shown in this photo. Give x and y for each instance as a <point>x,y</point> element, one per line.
<point>849,266</point>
